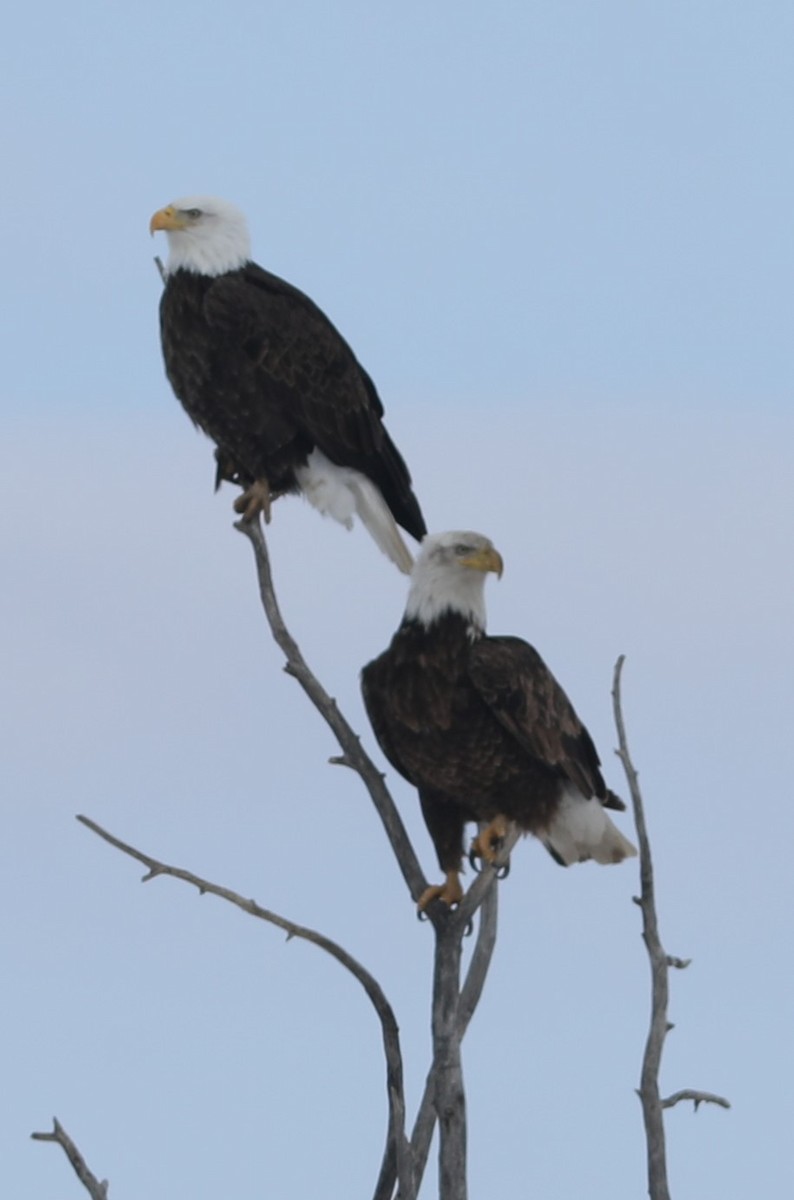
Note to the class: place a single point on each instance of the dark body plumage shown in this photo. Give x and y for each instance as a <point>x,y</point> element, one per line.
<point>265,374</point>
<point>480,727</point>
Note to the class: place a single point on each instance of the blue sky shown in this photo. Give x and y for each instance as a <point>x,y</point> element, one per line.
<point>558,236</point>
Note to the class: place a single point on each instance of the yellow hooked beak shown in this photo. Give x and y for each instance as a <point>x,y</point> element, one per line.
<point>485,560</point>
<point>166,219</point>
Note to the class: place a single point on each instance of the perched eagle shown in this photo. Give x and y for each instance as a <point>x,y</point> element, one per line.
<point>265,374</point>
<point>480,726</point>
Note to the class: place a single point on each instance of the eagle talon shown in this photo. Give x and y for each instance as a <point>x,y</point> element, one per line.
<point>503,871</point>
<point>488,842</point>
<point>450,891</point>
<point>255,500</point>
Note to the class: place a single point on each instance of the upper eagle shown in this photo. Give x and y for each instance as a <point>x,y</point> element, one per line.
<point>480,726</point>
<point>262,370</point>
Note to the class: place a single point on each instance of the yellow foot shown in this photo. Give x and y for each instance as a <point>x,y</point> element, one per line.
<point>254,500</point>
<point>488,841</point>
<point>450,892</point>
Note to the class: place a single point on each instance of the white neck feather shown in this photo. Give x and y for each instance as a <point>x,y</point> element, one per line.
<point>435,590</point>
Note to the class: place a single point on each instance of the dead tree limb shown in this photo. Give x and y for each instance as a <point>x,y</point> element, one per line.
<point>443,1089</point>
<point>389,1028</point>
<point>96,1189</point>
<point>449,1096</point>
<point>353,755</point>
<point>480,961</point>
<point>648,1091</point>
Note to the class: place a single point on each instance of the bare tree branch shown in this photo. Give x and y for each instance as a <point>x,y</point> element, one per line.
<point>425,1121</point>
<point>385,1013</point>
<point>96,1189</point>
<point>449,1096</point>
<point>652,1104</point>
<point>482,896</point>
<point>697,1098</point>
<point>483,950</point>
<point>353,755</point>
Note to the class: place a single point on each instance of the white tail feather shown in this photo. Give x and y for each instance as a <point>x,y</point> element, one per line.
<point>581,829</point>
<point>339,492</point>
<point>376,516</point>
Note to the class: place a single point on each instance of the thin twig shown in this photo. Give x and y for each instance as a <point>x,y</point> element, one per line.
<point>97,1189</point>
<point>385,1013</point>
<point>697,1099</point>
<point>353,755</point>
<point>648,1091</point>
<point>158,262</point>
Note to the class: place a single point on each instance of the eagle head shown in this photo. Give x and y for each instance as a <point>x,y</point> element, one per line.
<point>205,235</point>
<point>449,576</point>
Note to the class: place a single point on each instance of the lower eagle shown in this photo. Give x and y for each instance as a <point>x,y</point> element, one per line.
<point>480,726</point>
<point>265,374</point>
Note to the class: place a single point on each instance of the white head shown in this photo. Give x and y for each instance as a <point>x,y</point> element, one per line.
<point>449,576</point>
<point>205,235</point>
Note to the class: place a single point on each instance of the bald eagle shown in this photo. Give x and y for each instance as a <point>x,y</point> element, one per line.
<point>265,374</point>
<point>480,726</point>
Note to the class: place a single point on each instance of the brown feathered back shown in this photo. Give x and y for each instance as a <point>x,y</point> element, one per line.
<point>260,368</point>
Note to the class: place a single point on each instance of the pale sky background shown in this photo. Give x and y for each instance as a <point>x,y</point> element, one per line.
<point>559,237</point>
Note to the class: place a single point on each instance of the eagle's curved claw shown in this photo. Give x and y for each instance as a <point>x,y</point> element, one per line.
<point>488,842</point>
<point>503,871</point>
<point>255,500</point>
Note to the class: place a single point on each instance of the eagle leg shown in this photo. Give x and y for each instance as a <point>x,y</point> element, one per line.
<point>450,891</point>
<point>488,843</point>
<point>255,500</point>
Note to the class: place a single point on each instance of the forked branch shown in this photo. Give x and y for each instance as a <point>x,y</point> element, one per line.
<point>453,1006</point>
<point>97,1189</point>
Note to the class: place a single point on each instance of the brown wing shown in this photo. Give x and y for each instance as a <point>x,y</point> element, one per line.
<point>526,699</point>
<point>304,365</point>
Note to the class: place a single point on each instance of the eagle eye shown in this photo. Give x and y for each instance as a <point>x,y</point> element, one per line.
<point>193,213</point>
<point>462,549</point>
